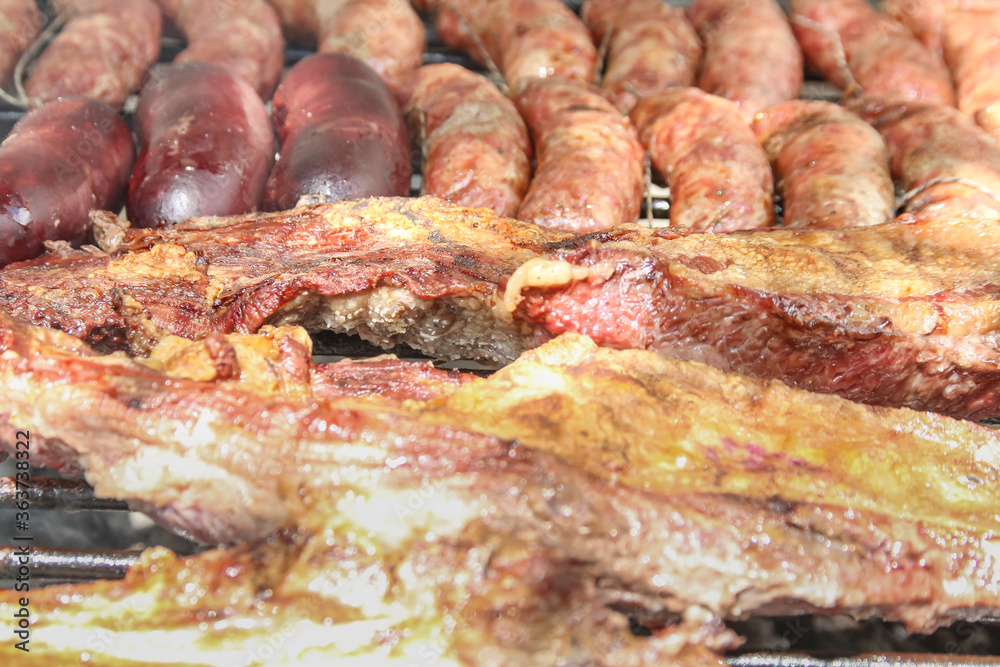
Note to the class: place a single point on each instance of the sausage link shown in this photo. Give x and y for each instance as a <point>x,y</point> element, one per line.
<point>206,146</point>
<point>104,51</point>
<point>972,50</point>
<point>20,24</point>
<point>342,134</point>
<point>477,146</point>
<point>651,48</point>
<point>387,35</point>
<point>751,56</point>
<point>882,55</point>
<point>832,167</point>
<point>244,36</point>
<point>949,165</point>
<point>61,160</point>
<point>718,174</point>
<point>526,39</point>
<point>590,166</point>
<point>926,18</point>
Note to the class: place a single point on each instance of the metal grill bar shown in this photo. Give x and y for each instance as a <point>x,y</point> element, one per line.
<point>49,493</point>
<point>65,564</point>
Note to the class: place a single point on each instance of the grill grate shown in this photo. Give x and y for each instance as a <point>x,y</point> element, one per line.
<point>63,496</point>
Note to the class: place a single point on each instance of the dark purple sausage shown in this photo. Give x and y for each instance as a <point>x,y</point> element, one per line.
<point>60,161</point>
<point>206,146</point>
<point>341,133</point>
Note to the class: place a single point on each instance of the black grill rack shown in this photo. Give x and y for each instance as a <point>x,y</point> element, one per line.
<point>59,496</point>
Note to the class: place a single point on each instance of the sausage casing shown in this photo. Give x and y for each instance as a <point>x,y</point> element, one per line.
<point>718,174</point>
<point>831,166</point>
<point>751,56</point>
<point>341,132</point>
<point>948,165</point>
<point>590,165</point>
<point>244,36</point>
<point>61,160</point>
<point>651,47</point>
<point>104,51</point>
<point>206,146</point>
<point>478,152</point>
<point>880,54</point>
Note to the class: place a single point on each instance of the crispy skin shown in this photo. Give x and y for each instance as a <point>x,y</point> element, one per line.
<point>949,166</point>
<point>525,39</point>
<point>832,167</point>
<point>662,485</point>
<point>103,52</point>
<point>590,164</point>
<point>880,54</point>
<point>387,35</point>
<point>972,50</point>
<point>894,314</point>
<point>477,149</point>
<point>651,47</point>
<point>751,56</point>
<point>718,174</point>
<point>244,36</point>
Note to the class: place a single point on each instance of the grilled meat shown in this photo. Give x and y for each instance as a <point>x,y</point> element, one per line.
<point>892,314</point>
<point>601,477</point>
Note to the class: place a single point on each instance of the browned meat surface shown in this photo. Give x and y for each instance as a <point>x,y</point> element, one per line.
<point>848,39</point>
<point>590,165</point>
<point>751,56</point>
<point>650,47</point>
<point>244,36</point>
<point>387,35</point>
<point>832,167</point>
<point>949,167</point>
<point>477,150</point>
<point>637,480</point>
<point>891,314</point>
<point>525,39</point>
<point>972,51</point>
<point>718,174</point>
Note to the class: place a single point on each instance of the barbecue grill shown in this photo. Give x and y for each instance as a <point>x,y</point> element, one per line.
<point>802,641</point>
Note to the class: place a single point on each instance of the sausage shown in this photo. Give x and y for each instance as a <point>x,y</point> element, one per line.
<point>590,165</point>
<point>342,135</point>
<point>949,166</point>
<point>206,146</point>
<point>751,56</point>
<point>387,35</point>
<point>244,36</point>
<point>882,56</point>
<point>477,146</point>
<point>718,174</point>
<point>104,51</point>
<point>526,39</point>
<point>61,160</point>
<point>651,47</point>
<point>832,167</point>
<point>972,50</point>
<point>20,24</point>
<point>926,18</point>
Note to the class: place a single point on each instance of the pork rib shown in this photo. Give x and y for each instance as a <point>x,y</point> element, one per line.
<point>652,484</point>
<point>896,314</point>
